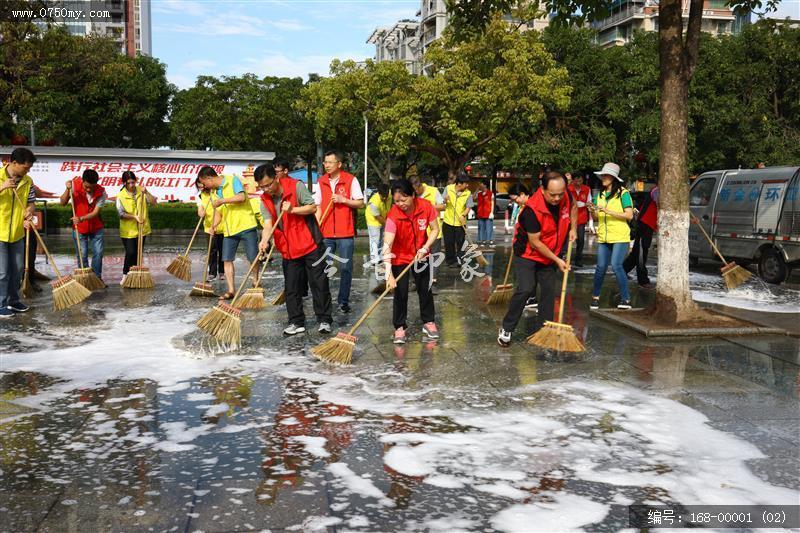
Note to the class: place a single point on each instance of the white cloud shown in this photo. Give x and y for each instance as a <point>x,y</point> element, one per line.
<point>181,81</point>
<point>197,65</point>
<point>277,64</point>
<point>290,25</point>
<point>184,7</point>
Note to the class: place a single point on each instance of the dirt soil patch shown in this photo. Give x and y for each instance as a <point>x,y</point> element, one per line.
<point>706,319</point>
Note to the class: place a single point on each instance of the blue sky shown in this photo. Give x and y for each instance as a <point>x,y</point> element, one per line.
<point>266,37</point>
<point>276,37</point>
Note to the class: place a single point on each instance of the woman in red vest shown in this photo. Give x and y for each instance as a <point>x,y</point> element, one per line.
<point>646,226</point>
<point>299,241</point>
<point>406,239</point>
<point>89,198</point>
<point>484,213</point>
<point>582,195</point>
<point>543,226</point>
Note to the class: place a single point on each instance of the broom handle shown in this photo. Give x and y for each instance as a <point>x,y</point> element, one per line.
<point>27,253</point>
<point>702,229</point>
<point>208,258</point>
<point>378,300</point>
<point>564,287</point>
<point>196,229</point>
<point>254,263</point>
<point>139,237</point>
<point>326,212</point>
<point>75,228</point>
<point>39,237</point>
<point>510,259</point>
<point>264,268</point>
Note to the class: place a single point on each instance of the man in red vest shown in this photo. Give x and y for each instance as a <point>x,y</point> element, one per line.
<point>299,241</point>
<point>544,224</point>
<point>582,195</point>
<point>338,228</point>
<point>484,213</point>
<point>88,198</point>
<point>646,226</point>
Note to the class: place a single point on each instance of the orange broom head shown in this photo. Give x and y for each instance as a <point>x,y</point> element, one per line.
<point>734,275</point>
<point>482,261</point>
<point>68,292</point>
<point>338,350</point>
<point>501,295</point>
<point>139,277</point>
<point>202,289</point>
<point>557,337</point>
<point>87,278</point>
<point>253,298</point>
<point>181,268</point>
<point>280,299</point>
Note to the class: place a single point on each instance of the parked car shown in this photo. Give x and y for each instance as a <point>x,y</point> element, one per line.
<point>752,216</point>
<point>501,201</point>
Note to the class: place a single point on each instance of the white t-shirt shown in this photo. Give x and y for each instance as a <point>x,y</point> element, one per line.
<point>355,191</point>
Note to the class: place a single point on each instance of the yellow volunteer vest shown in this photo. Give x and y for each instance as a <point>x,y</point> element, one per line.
<point>128,228</point>
<point>455,205</point>
<point>12,214</point>
<point>236,218</point>
<point>208,219</point>
<point>611,229</point>
<point>430,194</point>
<point>255,205</point>
<point>383,209</point>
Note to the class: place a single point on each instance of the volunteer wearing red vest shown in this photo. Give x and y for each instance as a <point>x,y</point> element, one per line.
<point>544,224</point>
<point>582,195</point>
<point>406,238</point>
<point>485,200</point>
<point>89,199</point>
<point>646,226</point>
<point>338,228</point>
<point>299,241</point>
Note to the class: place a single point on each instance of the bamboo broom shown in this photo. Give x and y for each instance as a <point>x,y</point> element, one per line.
<point>339,349</point>
<point>139,276</point>
<point>224,321</point>
<point>557,335</point>
<point>253,298</point>
<point>204,288</point>
<point>502,293</point>
<point>26,289</point>
<point>181,266</point>
<point>280,299</point>
<point>732,274</point>
<point>83,275</point>
<point>66,291</point>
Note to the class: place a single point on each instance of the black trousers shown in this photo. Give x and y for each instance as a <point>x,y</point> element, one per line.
<point>215,266</point>
<point>299,272</point>
<point>577,253</point>
<point>422,278</point>
<point>453,243</point>
<point>638,256</point>
<point>529,274</point>
<point>131,252</point>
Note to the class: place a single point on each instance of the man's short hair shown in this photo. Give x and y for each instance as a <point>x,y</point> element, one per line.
<point>207,172</point>
<point>518,188</point>
<point>552,175</point>
<point>462,177</point>
<point>265,170</point>
<point>281,162</point>
<point>403,186</point>
<point>23,156</point>
<point>383,188</point>
<point>90,176</point>
<point>336,153</point>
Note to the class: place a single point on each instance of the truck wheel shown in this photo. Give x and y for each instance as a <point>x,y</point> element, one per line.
<point>772,268</point>
<point>694,261</point>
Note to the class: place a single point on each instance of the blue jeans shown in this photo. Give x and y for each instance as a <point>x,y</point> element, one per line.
<point>96,242</point>
<point>231,244</point>
<point>615,254</point>
<point>11,269</point>
<point>342,248</point>
<point>485,229</point>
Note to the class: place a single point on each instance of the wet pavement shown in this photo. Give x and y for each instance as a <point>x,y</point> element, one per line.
<point>119,415</point>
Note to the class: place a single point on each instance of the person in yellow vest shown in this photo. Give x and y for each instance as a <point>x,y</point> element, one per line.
<point>206,211</point>
<point>378,206</point>
<point>129,207</point>
<point>236,220</point>
<point>14,220</point>
<point>456,198</point>
<point>432,194</point>
<point>614,209</point>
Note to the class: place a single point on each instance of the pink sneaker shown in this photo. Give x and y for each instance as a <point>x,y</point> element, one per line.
<point>400,336</point>
<point>430,330</point>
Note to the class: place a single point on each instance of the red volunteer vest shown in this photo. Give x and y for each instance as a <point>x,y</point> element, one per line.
<point>649,217</point>
<point>295,236</point>
<point>84,206</point>
<point>484,204</point>
<point>583,194</point>
<point>412,230</point>
<point>553,233</point>
<point>339,223</point>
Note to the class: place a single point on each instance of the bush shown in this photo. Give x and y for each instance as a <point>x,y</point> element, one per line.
<point>162,216</point>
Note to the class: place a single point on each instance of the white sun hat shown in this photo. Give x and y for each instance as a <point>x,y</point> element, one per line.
<point>612,169</point>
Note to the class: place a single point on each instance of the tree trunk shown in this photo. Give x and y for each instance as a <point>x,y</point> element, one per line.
<point>673,298</point>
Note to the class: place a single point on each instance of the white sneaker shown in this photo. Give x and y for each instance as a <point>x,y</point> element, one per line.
<point>292,329</point>
<point>122,281</point>
<point>504,338</point>
<point>324,327</point>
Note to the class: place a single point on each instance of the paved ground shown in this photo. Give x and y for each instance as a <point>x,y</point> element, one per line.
<point>117,415</point>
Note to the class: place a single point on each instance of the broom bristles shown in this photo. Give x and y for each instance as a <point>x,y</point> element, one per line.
<point>280,299</point>
<point>68,292</point>
<point>181,268</point>
<point>202,289</point>
<point>139,277</point>
<point>253,298</point>
<point>337,351</point>
<point>379,288</point>
<point>224,323</point>
<point>482,261</point>
<point>87,278</point>
<point>557,337</point>
<point>501,295</point>
<point>734,275</point>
